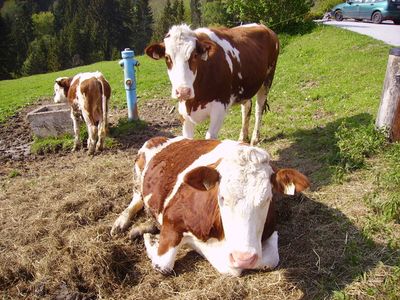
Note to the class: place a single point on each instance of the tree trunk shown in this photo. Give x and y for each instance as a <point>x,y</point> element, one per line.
<point>389,109</point>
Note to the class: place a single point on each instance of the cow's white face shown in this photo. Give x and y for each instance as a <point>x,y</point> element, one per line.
<point>182,52</point>
<point>245,193</point>
<point>59,90</point>
<point>180,45</point>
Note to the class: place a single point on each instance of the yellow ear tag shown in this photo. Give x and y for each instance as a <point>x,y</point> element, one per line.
<point>290,189</point>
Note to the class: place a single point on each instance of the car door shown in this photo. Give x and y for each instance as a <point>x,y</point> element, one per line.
<point>352,10</point>
<point>366,9</point>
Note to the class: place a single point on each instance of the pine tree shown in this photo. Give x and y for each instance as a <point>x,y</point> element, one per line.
<point>166,20</point>
<point>178,12</point>
<point>181,12</point>
<point>36,62</point>
<point>143,25</point>
<point>126,25</point>
<point>195,13</point>
<point>5,50</point>
<point>22,33</point>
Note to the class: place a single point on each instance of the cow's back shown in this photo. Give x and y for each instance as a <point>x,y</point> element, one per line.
<point>259,48</point>
<point>161,170</point>
<point>242,60</point>
<point>92,90</point>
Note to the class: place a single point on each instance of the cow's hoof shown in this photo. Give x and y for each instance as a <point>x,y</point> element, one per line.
<point>254,141</point>
<point>120,225</point>
<point>164,271</point>
<point>244,139</point>
<point>135,233</point>
<point>99,148</point>
<point>140,230</point>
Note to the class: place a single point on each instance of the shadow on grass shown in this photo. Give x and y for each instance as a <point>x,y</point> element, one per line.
<point>321,250</point>
<point>314,151</point>
<point>136,133</point>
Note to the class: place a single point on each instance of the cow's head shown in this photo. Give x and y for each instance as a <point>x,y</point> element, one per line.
<point>245,182</point>
<point>61,87</point>
<point>183,52</point>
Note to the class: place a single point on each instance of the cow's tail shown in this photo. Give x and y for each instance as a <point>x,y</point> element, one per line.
<point>104,105</point>
<point>267,85</point>
<point>271,68</point>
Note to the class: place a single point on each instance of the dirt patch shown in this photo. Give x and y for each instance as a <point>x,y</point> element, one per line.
<point>159,116</point>
<point>16,135</point>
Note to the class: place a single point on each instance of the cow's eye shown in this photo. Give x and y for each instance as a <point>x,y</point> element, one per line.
<point>168,60</point>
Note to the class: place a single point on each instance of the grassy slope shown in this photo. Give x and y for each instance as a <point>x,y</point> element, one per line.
<point>151,79</point>
<point>323,78</point>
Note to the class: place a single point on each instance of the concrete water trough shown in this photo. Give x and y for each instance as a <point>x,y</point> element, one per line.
<point>51,120</point>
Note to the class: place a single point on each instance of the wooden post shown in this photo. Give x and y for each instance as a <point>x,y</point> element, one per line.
<point>389,109</point>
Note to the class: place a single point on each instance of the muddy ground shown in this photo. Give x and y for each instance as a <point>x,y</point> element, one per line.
<point>56,212</point>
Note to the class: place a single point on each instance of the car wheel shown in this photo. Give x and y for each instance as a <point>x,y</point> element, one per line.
<point>358,20</point>
<point>338,15</point>
<point>377,17</point>
<point>397,22</point>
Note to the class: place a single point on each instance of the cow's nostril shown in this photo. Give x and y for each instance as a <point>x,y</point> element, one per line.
<point>242,259</point>
<point>183,93</point>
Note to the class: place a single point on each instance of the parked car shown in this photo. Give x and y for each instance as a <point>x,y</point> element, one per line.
<point>374,10</point>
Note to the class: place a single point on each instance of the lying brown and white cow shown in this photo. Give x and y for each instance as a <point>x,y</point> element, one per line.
<point>211,69</point>
<point>88,95</point>
<point>215,196</point>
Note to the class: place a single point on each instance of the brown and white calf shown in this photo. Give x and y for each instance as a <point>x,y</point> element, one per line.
<point>212,69</point>
<point>88,95</point>
<point>215,196</point>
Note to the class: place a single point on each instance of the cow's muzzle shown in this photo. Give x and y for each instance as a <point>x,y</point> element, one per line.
<point>243,260</point>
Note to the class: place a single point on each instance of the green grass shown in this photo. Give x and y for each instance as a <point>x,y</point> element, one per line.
<point>52,144</point>
<point>152,82</point>
<point>385,200</point>
<point>14,173</point>
<point>65,142</point>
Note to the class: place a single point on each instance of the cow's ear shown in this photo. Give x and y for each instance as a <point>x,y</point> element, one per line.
<point>202,178</point>
<point>155,51</point>
<point>289,181</point>
<point>203,49</point>
<point>63,81</point>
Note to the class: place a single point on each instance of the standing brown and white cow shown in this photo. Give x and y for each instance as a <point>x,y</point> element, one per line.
<point>88,95</point>
<point>212,69</point>
<point>215,196</point>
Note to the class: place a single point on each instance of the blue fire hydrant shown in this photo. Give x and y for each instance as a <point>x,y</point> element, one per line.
<point>129,64</point>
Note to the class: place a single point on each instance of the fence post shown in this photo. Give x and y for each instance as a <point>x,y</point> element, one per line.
<point>389,110</point>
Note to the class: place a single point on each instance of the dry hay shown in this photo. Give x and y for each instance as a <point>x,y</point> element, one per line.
<point>55,244</point>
